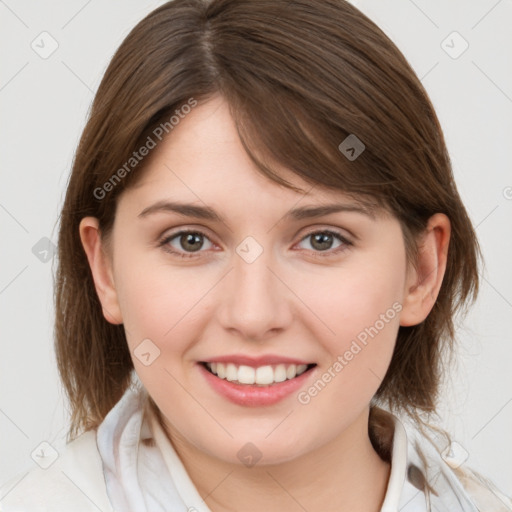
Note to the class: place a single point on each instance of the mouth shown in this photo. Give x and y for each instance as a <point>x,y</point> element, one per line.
<point>260,376</point>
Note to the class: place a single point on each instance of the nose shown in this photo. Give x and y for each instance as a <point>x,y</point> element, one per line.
<point>255,302</point>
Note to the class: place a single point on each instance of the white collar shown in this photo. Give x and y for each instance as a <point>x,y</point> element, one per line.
<point>149,476</point>
<point>398,473</point>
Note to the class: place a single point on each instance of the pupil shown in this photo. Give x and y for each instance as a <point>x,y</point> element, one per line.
<point>190,238</point>
<point>323,238</point>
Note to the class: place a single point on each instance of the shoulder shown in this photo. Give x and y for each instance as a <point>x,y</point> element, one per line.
<point>74,481</point>
<point>431,464</point>
<point>453,481</point>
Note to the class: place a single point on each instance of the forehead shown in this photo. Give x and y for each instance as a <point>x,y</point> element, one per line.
<point>203,161</point>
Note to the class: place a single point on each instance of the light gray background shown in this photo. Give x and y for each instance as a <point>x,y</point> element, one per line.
<point>43,109</point>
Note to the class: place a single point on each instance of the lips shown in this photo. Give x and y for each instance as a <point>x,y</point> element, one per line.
<point>257,393</point>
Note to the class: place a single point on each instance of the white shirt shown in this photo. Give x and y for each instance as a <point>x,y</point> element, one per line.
<point>115,469</point>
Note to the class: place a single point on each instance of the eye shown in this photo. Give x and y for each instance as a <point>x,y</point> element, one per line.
<point>188,241</point>
<point>322,241</point>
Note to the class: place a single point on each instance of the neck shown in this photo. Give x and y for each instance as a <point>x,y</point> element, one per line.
<point>345,474</point>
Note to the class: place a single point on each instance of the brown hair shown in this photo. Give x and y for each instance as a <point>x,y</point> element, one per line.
<point>299,79</point>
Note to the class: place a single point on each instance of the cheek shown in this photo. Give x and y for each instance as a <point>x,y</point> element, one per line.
<point>159,302</point>
<point>161,311</point>
<point>347,300</point>
<point>359,308</point>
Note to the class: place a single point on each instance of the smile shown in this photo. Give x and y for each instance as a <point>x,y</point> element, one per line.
<point>261,375</point>
<point>260,385</point>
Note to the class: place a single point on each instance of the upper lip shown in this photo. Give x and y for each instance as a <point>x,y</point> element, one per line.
<point>268,359</point>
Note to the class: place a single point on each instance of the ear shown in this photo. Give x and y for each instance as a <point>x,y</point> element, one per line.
<point>424,282</point>
<point>101,269</point>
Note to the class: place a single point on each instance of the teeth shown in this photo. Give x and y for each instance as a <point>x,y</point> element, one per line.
<point>231,372</point>
<point>221,370</point>
<point>291,371</point>
<point>280,373</point>
<point>246,375</point>
<point>262,375</point>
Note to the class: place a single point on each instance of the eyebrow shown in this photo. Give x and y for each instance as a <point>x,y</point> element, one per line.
<point>208,213</point>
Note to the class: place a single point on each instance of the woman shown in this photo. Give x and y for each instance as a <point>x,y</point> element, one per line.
<point>262,250</point>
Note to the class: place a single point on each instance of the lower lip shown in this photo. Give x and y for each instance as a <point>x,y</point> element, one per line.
<point>252,395</point>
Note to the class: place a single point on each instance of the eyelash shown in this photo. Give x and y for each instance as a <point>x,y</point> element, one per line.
<point>163,243</point>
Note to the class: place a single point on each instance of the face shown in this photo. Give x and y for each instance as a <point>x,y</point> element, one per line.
<point>257,288</point>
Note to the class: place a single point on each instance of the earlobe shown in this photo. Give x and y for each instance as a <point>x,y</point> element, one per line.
<point>101,269</point>
<point>424,281</point>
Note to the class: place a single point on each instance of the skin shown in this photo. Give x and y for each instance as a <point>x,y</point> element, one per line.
<point>290,301</point>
